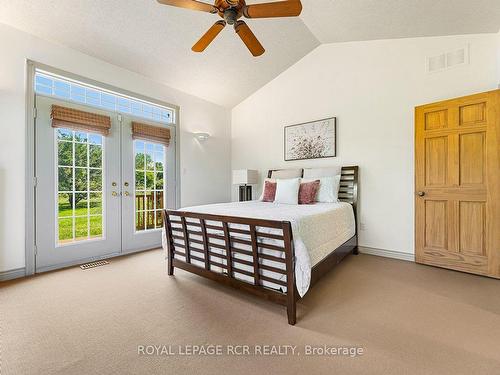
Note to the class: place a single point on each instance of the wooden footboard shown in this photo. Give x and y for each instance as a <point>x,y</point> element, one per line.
<point>218,248</point>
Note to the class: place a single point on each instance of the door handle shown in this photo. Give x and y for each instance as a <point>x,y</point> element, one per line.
<point>421,193</point>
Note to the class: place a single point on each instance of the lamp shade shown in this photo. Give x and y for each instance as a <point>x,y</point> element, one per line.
<point>245,176</point>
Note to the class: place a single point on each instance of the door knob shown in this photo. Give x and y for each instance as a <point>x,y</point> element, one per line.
<point>421,193</point>
<point>126,193</point>
<point>114,193</point>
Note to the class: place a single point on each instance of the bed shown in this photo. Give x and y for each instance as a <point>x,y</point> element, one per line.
<point>271,250</point>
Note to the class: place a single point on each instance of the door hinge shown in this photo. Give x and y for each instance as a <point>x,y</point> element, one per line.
<point>36,249</point>
<point>35,181</point>
<point>35,112</point>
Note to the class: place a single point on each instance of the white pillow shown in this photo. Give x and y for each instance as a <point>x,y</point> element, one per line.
<point>328,191</point>
<point>287,191</point>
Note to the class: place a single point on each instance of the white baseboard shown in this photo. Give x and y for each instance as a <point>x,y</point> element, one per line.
<point>93,259</point>
<point>21,272</point>
<point>12,274</point>
<point>387,253</point>
<point>75,263</point>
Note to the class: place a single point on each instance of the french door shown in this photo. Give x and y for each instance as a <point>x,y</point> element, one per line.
<point>146,169</point>
<point>97,196</point>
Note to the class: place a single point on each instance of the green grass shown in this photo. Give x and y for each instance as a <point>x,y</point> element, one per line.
<point>81,223</point>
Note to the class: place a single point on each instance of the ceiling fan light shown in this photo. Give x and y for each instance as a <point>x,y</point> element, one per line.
<point>230,16</point>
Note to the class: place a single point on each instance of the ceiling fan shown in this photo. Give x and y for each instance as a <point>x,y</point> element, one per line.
<point>231,11</point>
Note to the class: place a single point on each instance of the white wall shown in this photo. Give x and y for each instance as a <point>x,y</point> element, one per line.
<point>498,58</point>
<point>205,167</point>
<point>372,87</point>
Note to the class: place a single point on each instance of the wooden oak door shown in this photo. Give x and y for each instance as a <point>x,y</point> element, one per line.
<point>457,184</point>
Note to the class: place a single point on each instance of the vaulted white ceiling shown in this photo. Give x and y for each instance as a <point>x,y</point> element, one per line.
<point>352,20</point>
<point>155,40</point>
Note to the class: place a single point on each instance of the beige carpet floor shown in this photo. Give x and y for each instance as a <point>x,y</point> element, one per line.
<point>408,318</point>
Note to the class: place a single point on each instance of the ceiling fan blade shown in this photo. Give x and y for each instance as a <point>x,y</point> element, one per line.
<point>190,4</point>
<point>249,38</point>
<point>290,8</point>
<point>209,36</point>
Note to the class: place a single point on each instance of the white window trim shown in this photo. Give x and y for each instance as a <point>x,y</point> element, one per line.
<point>31,67</point>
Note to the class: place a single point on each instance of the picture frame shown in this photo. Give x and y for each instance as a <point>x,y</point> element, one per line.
<point>311,140</point>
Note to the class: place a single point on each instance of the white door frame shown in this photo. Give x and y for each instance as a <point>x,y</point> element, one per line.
<point>31,67</point>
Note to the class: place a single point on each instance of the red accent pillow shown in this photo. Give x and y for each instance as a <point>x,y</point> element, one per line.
<point>269,191</point>
<point>308,191</point>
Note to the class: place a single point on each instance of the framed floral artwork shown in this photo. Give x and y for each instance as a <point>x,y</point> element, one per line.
<point>311,140</point>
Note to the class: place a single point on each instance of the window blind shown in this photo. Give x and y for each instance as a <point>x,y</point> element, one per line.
<point>63,117</point>
<point>150,133</point>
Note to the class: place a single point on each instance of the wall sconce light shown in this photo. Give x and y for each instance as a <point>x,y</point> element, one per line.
<point>202,136</point>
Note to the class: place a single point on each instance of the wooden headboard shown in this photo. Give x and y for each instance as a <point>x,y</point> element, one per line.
<point>348,191</point>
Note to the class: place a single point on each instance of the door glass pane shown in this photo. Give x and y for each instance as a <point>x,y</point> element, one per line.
<point>81,204</point>
<point>159,181</point>
<point>95,179</point>
<point>150,199</point>
<point>159,200</point>
<point>95,226</point>
<point>80,188</point>
<point>65,229</point>
<point>139,220</point>
<point>64,134</point>
<point>95,203</point>
<point>81,154</point>
<point>65,204</point>
<point>150,180</point>
<point>81,182</point>
<point>65,150</point>
<point>65,176</point>
<point>139,180</point>
<point>95,156</point>
<point>159,219</point>
<point>150,222</point>
<point>159,158</point>
<point>149,184</point>
<point>81,228</point>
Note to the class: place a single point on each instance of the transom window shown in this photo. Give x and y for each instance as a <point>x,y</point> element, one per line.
<point>79,185</point>
<point>149,184</point>
<point>48,84</point>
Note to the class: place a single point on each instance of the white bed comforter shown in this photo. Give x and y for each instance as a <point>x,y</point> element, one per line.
<point>317,229</point>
